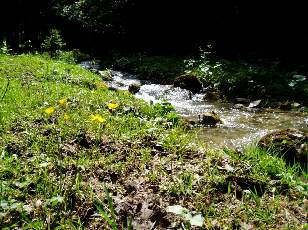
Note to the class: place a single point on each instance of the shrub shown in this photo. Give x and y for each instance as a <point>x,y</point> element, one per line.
<point>4,49</point>
<point>53,42</point>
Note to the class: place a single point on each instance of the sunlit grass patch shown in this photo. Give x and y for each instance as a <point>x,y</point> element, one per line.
<point>62,142</point>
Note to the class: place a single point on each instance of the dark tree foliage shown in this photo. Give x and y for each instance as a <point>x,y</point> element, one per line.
<point>22,21</point>
<point>96,23</point>
<point>234,26</point>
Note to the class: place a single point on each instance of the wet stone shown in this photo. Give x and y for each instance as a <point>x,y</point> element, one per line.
<point>210,119</point>
<point>255,104</point>
<point>189,82</point>
<point>212,95</point>
<point>291,144</point>
<point>239,106</point>
<point>285,106</point>
<point>134,88</point>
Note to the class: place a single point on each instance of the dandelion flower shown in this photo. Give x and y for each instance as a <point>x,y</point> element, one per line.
<point>66,117</point>
<point>62,101</point>
<point>50,110</point>
<point>112,106</point>
<point>97,118</point>
<point>92,117</point>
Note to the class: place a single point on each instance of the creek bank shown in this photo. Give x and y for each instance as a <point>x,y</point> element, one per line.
<point>265,80</point>
<point>60,167</point>
<point>158,69</point>
<point>244,122</point>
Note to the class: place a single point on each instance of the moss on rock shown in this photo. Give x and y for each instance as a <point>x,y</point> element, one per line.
<point>289,143</point>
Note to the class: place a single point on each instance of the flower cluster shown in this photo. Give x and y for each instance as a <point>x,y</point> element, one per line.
<point>112,106</point>
<point>51,110</point>
<point>97,118</point>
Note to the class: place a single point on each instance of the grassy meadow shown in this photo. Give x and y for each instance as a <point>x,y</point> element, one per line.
<point>77,155</point>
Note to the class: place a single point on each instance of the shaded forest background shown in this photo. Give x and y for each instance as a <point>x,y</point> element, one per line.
<point>235,28</point>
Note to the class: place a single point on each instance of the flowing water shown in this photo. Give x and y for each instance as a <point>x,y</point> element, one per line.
<point>240,126</point>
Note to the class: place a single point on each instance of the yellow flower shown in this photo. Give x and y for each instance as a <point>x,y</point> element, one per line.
<point>66,117</point>
<point>50,110</point>
<point>102,85</point>
<point>112,106</point>
<point>62,101</point>
<point>97,118</point>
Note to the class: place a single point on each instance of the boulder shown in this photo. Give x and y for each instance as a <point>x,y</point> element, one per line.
<point>239,106</point>
<point>212,95</point>
<point>289,143</point>
<point>210,119</point>
<point>296,105</point>
<point>134,88</point>
<point>285,106</point>
<point>189,82</point>
<point>188,122</point>
<point>255,104</point>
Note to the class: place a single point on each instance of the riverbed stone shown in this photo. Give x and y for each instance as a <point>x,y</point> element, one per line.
<point>212,95</point>
<point>134,88</point>
<point>239,106</point>
<point>296,105</point>
<point>189,82</point>
<point>291,144</point>
<point>255,104</point>
<point>210,119</point>
<point>188,122</point>
<point>285,106</point>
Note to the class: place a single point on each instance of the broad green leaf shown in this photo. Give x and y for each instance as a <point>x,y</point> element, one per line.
<point>176,209</point>
<point>56,200</point>
<point>196,220</point>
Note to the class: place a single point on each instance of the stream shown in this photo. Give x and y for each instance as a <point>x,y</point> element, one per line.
<point>240,126</point>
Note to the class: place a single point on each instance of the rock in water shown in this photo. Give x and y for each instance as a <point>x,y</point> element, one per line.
<point>212,95</point>
<point>188,122</point>
<point>210,119</point>
<point>239,106</point>
<point>134,88</point>
<point>296,105</point>
<point>285,106</point>
<point>189,82</point>
<point>289,143</point>
<point>255,104</point>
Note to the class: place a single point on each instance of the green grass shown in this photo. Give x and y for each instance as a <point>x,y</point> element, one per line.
<point>55,168</point>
